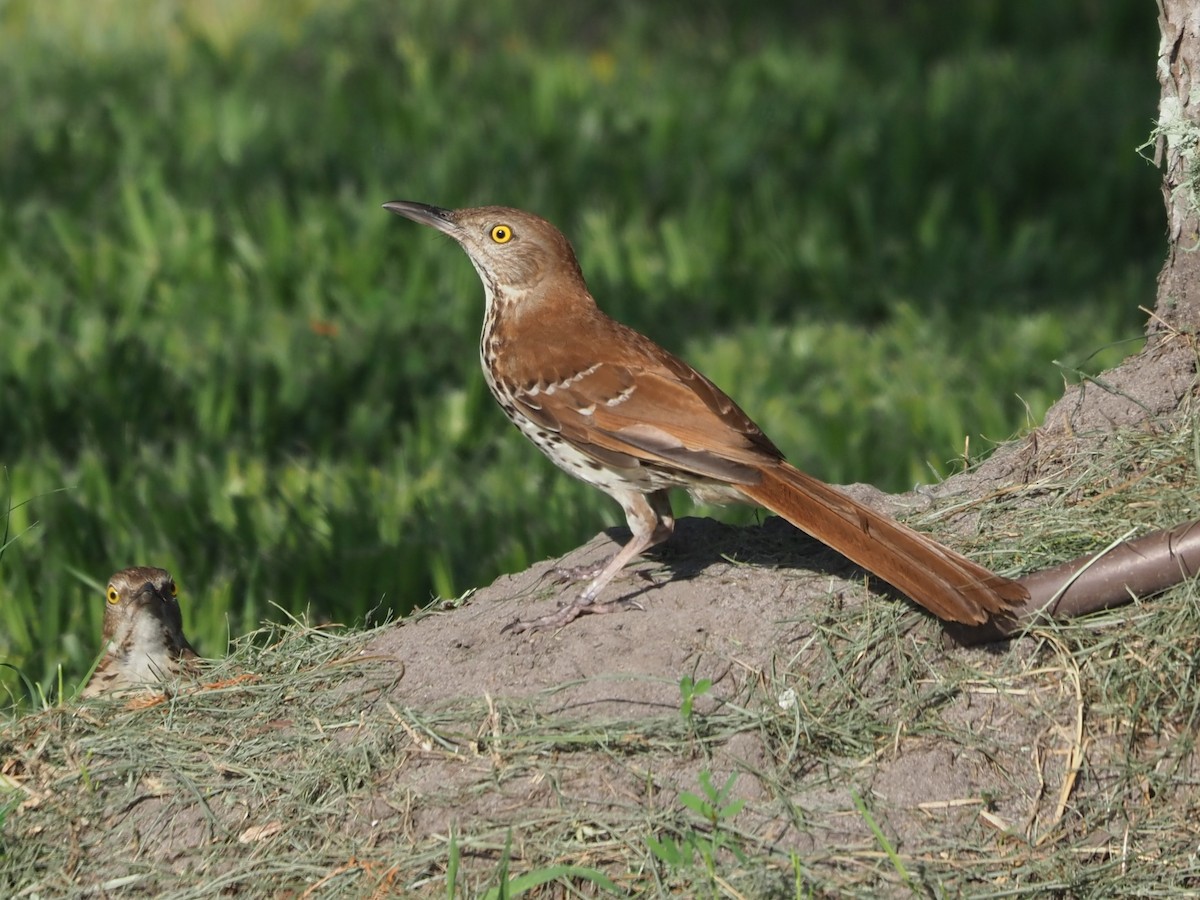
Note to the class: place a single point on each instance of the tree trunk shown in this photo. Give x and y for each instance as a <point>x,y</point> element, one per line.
<point>1178,146</point>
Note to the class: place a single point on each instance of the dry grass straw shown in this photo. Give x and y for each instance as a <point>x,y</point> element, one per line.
<point>295,768</point>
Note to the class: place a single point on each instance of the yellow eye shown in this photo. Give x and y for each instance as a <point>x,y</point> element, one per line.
<point>113,596</point>
<point>174,590</point>
<point>501,234</point>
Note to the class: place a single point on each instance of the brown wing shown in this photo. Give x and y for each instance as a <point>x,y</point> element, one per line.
<point>648,406</point>
<point>106,676</point>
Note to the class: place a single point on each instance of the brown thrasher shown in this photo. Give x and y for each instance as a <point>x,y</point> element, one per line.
<point>614,409</point>
<point>144,642</point>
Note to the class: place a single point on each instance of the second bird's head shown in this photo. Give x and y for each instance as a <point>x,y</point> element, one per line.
<point>140,591</point>
<point>512,250</point>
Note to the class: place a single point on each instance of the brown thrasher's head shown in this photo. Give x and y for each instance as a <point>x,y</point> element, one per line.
<point>514,252</point>
<point>143,599</point>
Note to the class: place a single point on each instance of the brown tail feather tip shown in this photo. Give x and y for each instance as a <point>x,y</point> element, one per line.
<point>949,585</point>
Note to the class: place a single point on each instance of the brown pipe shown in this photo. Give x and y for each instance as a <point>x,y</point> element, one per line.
<point>1136,568</point>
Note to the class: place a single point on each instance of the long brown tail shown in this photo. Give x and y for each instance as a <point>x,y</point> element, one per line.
<point>947,584</point>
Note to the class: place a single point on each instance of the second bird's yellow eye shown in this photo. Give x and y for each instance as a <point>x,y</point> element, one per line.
<point>113,596</point>
<point>501,234</point>
<point>174,590</point>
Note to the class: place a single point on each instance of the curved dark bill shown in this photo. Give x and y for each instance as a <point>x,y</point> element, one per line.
<point>433,216</point>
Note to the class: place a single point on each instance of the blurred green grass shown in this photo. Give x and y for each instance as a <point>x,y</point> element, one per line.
<point>876,228</point>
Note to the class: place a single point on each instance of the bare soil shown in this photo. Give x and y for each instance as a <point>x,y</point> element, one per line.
<point>750,608</point>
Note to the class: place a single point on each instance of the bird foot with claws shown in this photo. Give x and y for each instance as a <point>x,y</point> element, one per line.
<point>569,613</point>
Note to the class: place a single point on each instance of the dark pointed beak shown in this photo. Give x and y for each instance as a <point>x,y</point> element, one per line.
<point>433,216</point>
<point>148,591</point>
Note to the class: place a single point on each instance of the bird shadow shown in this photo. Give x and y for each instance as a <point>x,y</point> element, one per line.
<point>698,544</point>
